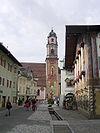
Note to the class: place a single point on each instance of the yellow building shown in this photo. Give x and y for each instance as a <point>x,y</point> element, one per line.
<point>26,84</point>
<point>8,76</point>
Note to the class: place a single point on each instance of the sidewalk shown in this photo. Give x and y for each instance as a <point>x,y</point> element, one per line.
<point>77,122</point>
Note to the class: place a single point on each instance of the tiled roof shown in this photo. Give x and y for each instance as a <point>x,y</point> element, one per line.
<point>38,70</point>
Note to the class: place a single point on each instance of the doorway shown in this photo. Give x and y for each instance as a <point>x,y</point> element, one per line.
<point>3,101</point>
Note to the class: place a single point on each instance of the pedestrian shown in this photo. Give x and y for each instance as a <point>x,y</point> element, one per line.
<point>58,102</point>
<point>27,105</point>
<point>8,107</point>
<point>34,104</point>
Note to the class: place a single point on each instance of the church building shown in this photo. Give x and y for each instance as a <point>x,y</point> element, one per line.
<point>52,90</point>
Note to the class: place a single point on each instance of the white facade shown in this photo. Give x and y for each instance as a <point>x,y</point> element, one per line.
<point>66,76</point>
<point>63,77</point>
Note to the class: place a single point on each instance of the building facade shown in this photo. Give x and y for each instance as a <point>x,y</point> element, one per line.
<point>86,66</point>
<point>52,90</point>
<point>8,76</point>
<point>67,77</point>
<point>26,84</point>
<point>39,75</point>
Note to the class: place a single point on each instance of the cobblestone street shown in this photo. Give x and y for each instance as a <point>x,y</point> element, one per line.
<point>22,121</point>
<point>40,121</point>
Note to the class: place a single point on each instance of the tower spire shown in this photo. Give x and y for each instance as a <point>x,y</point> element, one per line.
<point>52,33</point>
<point>52,29</point>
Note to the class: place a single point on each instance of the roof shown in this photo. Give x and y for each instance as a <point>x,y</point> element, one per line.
<point>78,29</point>
<point>6,51</point>
<point>38,70</point>
<point>71,38</point>
<point>52,33</point>
<point>70,48</point>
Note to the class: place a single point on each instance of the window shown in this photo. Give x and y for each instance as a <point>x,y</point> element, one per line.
<point>4,63</point>
<point>13,84</point>
<point>7,83</point>
<point>0,80</point>
<point>69,82</point>
<point>52,71</point>
<point>3,82</point>
<point>10,84</point>
<point>0,98</point>
<point>52,51</point>
<point>35,84</point>
<point>38,92</point>
<point>15,69</point>
<point>1,61</point>
<point>52,39</point>
<point>8,66</point>
<point>99,62</point>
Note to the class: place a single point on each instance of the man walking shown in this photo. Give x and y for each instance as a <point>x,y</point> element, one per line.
<point>8,107</point>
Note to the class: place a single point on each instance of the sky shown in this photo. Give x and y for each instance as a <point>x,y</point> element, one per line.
<point>25,24</point>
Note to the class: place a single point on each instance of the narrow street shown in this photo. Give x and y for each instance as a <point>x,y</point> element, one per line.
<point>22,121</point>
<point>41,121</point>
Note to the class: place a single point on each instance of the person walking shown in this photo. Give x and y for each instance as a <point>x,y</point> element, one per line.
<point>27,105</point>
<point>34,104</point>
<point>8,107</point>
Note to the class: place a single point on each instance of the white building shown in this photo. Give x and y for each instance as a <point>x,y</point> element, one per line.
<point>67,77</point>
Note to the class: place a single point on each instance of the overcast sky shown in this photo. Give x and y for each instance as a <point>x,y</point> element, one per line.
<point>25,24</point>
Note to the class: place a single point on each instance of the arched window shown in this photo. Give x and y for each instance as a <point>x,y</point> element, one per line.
<point>52,71</point>
<point>52,39</point>
<point>38,92</point>
<point>52,51</point>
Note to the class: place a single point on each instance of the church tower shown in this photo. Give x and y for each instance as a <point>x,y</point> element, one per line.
<point>52,66</point>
